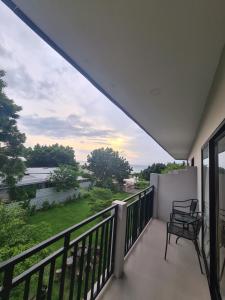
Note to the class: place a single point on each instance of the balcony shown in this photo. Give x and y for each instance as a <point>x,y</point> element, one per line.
<point>119,256</point>
<point>148,276</point>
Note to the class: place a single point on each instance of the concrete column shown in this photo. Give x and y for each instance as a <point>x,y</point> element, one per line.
<point>154,180</point>
<point>120,238</point>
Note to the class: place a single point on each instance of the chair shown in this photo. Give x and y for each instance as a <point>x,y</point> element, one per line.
<point>189,231</point>
<point>186,207</point>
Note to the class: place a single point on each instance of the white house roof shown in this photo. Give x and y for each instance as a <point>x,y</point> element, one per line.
<point>155,59</point>
<point>38,175</point>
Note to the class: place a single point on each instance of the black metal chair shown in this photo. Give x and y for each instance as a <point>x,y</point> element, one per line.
<point>186,207</point>
<point>187,230</point>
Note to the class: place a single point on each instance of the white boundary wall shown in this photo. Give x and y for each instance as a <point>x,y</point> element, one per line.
<point>177,185</point>
<point>52,196</point>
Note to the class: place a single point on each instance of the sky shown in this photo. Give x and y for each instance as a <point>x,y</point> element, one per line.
<point>60,105</point>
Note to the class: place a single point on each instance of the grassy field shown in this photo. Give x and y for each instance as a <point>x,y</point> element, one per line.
<point>61,217</point>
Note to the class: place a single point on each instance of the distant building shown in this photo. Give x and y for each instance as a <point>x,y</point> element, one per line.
<point>39,177</point>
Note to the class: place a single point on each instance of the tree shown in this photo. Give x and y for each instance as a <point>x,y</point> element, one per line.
<point>49,156</point>
<point>106,164</point>
<point>11,139</point>
<point>17,236</point>
<point>173,166</point>
<point>154,168</point>
<point>64,178</point>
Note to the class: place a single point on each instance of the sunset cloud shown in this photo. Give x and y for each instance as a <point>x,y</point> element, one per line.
<point>60,105</point>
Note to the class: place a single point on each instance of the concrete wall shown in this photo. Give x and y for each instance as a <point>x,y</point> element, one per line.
<point>178,185</point>
<point>51,195</point>
<point>213,115</point>
<point>4,196</point>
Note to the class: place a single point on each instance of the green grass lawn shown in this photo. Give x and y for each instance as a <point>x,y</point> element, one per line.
<point>64,216</point>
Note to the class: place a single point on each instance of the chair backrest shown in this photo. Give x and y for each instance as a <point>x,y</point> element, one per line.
<point>197,224</point>
<point>193,206</point>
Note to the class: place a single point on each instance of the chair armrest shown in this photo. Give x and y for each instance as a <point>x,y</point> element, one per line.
<point>176,223</point>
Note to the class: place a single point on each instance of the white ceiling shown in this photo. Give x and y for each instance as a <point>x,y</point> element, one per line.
<point>155,58</point>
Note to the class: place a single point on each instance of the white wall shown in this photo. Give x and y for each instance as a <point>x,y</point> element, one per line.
<point>4,195</point>
<point>179,185</point>
<point>51,195</point>
<point>214,114</point>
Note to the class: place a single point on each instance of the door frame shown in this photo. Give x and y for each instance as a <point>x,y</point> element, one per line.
<point>212,272</point>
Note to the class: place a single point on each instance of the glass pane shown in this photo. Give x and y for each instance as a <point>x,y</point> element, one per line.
<point>205,190</point>
<point>221,216</point>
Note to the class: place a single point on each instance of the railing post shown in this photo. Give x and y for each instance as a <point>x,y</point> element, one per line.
<point>155,182</point>
<point>120,237</point>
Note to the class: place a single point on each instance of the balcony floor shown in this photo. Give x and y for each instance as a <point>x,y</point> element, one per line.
<point>148,276</point>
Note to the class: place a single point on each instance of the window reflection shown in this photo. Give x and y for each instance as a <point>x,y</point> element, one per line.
<point>221,216</point>
<point>205,190</point>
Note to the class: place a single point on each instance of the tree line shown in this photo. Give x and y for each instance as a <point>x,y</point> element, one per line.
<point>107,166</point>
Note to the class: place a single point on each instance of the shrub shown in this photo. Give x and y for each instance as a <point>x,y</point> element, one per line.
<point>23,194</point>
<point>99,193</point>
<point>31,210</point>
<point>141,184</point>
<point>46,205</point>
<point>100,199</point>
<point>64,178</point>
<point>17,236</point>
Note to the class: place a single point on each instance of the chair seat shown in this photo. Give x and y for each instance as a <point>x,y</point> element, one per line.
<point>182,231</point>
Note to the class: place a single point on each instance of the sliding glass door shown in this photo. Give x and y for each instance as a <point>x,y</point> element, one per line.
<point>205,207</point>
<point>220,198</point>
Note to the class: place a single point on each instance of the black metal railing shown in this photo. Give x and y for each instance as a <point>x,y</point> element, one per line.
<point>77,270</point>
<point>139,213</point>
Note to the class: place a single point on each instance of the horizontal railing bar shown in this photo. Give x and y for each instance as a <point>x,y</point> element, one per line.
<point>135,201</point>
<point>91,230</point>
<point>32,270</point>
<point>29,272</point>
<point>29,252</point>
<point>135,195</point>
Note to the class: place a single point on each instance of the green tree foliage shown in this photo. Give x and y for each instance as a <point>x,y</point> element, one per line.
<point>50,156</point>
<point>141,184</point>
<point>24,194</point>
<point>11,139</point>
<point>107,164</point>
<point>64,178</point>
<point>160,168</point>
<point>16,235</point>
<point>154,168</point>
<point>173,166</point>
<point>100,198</point>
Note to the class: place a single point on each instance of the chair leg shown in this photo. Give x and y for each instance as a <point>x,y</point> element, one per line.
<point>167,239</point>
<point>177,239</point>
<point>198,254</point>
<point>221,275</point>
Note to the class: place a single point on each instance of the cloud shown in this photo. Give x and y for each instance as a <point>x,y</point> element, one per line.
<point>5,52</point>
<point>59,104</point>
<point>26,87</point>
<point>72,126</point>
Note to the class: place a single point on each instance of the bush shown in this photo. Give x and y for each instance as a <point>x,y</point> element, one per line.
<point>17,236</point>
<point>23,194</point>
<point>99,193</point>
<point>141,184</point>
<point>31,210</point>
<point>64,178</point>
<point>100,199</point>
<point>84,195</point>
<point>46,205</point>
